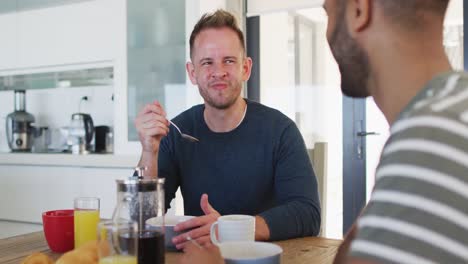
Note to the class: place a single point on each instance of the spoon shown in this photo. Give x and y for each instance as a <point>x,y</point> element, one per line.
<point>188,137</point>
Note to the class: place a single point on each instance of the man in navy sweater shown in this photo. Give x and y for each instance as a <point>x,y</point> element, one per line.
<point>250,159</point>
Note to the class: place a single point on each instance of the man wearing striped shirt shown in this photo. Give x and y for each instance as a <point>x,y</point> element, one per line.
<point>393,51</point>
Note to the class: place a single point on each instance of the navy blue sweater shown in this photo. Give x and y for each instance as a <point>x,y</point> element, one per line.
<point>259,168</point>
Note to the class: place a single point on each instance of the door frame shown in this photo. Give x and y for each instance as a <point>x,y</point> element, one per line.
<point>354,160</point>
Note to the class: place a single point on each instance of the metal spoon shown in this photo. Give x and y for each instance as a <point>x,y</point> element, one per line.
<point>188,137</point>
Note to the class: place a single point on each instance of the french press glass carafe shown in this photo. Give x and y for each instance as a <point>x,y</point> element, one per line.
<point>140,199</point>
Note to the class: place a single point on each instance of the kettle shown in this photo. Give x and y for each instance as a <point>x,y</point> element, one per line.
<point>81,133</point>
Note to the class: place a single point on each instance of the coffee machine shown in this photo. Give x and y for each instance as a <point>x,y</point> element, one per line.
<point>19,129</point>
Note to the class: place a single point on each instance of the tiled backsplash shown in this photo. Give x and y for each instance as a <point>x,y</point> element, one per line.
<point>54,107</point>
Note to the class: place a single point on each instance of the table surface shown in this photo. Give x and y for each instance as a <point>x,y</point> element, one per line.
<point>298,251</point>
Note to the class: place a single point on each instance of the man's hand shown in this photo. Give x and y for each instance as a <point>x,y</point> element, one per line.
<point>151,125</point>
<point>209,254</point>
<point>201,226</point>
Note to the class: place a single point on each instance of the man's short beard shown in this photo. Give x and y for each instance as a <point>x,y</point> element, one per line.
<point>212,103</point>
<point>353,61</point>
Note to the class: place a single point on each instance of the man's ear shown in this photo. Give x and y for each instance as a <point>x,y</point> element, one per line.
<point>246,68</point>
<point>359,13</point>
<point>191,72</point>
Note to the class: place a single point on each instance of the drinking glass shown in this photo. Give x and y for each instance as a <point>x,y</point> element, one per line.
<point>86,219</point>
<point>118,242</point>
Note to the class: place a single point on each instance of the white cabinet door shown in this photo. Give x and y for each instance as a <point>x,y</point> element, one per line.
<point>27,191</point>
<point>75,33</point>
<point>8,43</point>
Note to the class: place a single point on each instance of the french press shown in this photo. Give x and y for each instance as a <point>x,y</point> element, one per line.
<point>139,198</point>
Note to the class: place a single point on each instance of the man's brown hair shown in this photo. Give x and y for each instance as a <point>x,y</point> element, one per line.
<point>218,19</point>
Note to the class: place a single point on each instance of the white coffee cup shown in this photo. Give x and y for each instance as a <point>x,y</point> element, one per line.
<point>233,228</point>
<point>250,252</point>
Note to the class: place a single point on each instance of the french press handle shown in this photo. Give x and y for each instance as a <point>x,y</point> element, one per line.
<point>122,206</point>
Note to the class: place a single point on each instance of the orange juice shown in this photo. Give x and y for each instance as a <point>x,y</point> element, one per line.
<point>118,259</point>
<point>86,222</point>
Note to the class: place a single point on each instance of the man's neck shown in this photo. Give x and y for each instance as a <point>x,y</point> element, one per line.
<point>401,72</point>
<point>225,120</point>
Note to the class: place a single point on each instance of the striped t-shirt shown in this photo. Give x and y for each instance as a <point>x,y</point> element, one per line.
<point>418,212</point>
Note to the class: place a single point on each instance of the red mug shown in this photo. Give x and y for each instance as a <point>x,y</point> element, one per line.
<point>59,230</point>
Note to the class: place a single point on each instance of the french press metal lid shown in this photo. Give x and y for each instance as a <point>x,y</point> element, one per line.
<point>137,183</point>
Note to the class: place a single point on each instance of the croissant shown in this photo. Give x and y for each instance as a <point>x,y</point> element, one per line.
<point>37,258</point>
<point>86,254</point>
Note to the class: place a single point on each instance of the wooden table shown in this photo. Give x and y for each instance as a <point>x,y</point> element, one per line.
<point>295,251</point>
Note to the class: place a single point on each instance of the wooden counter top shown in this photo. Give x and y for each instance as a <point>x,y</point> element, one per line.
<point>295,251</point>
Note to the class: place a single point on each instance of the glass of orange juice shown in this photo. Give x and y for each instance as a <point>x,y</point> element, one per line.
<point>118,242</point>
<point>86,219</point>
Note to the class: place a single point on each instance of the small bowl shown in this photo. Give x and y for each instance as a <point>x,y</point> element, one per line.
<point>170,222</point>
<point>250,252</point>
<point>59,229</point>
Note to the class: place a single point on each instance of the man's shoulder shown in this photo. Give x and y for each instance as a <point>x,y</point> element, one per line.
<point>432,132</point>
<point>421,181</point>
<point>445,95</point>
<point>438,114</point>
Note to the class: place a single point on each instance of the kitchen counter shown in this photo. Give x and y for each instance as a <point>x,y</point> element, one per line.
<point>69,160</point>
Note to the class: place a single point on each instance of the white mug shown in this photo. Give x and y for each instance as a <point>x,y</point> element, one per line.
<point>233,228</point>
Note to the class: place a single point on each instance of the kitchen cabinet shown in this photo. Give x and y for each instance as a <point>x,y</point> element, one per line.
<point>75,33</point>
<point>57,33</point>
<point>8,44</point>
